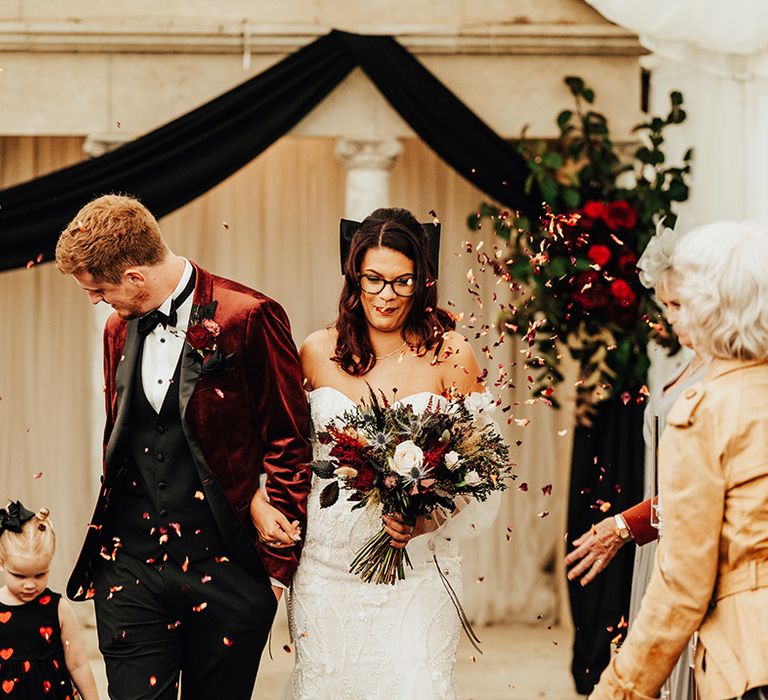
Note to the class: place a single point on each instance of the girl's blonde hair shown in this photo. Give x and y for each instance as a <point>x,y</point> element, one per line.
<point>37,537</point>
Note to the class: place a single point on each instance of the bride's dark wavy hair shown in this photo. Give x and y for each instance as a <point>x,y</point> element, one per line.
<point>425,325</point>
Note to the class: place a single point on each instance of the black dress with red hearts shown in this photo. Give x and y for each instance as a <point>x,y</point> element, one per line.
<point>32,663</point>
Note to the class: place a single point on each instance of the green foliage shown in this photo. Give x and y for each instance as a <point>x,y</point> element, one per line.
<point>574,271</point>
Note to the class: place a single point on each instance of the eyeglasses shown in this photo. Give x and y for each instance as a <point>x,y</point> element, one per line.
<point>402,286</point>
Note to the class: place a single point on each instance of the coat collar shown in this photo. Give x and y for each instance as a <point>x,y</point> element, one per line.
<point>720,366</point>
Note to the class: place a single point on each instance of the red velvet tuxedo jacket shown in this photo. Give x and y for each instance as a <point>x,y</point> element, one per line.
<point>243,411</point>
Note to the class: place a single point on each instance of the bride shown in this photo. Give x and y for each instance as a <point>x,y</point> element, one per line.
<point>355,639</point>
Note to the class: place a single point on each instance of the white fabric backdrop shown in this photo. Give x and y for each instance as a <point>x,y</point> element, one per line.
<point>274,226</point>
<point>716,53</point>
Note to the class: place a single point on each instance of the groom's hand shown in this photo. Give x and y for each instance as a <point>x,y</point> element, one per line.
<point>272,526</point>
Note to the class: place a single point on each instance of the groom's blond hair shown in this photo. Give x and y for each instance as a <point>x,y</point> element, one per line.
<point>107,236</point>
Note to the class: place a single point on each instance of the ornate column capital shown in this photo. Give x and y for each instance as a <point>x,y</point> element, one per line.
<point>368,154</point>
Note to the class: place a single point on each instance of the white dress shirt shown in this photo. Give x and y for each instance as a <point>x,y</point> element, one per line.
<point>163,346</point>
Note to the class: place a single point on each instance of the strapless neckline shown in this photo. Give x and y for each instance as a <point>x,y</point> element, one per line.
<point>340,393</point>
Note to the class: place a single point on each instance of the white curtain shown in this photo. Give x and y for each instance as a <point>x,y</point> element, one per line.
<point>45,388</point>
<point>274,226</point>
<point>716,53</point>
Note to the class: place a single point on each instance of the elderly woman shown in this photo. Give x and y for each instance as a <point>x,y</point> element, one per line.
<point>595,549</point>
<point>711,569</point>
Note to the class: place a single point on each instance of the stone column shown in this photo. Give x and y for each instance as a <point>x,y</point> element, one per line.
<point>368,163</point>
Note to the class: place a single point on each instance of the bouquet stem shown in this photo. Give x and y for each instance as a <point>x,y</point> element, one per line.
<point>379,562</point>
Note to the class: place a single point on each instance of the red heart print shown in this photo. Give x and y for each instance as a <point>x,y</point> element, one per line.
<point>44,600</point>
<point>47,633</point>
<point>46,686</point>
<point>5,616</point>
<point>8,686</point>
<point>6,654</point>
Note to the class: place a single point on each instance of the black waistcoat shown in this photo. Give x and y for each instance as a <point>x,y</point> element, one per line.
<point>160,508</point>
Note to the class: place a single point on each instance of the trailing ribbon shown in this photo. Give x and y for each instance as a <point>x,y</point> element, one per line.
<point>465,623</point>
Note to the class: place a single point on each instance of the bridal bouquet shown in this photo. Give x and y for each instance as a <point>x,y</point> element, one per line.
<point>411,464</point>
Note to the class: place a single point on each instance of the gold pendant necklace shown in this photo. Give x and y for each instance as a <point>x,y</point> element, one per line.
<point>389,354</point>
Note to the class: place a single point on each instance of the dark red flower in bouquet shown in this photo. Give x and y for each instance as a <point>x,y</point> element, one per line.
<point>623,293</point>
<point>364,479</point>
<point>590,291</point>
<point>627,264</point>
<point>619,214</point>
<point>599,254</point>
<point>200,337</point>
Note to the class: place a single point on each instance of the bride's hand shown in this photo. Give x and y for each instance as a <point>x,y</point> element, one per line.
<point>402,533</point>
<point>272,526</point>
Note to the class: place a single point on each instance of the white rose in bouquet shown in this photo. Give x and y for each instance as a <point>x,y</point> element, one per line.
<point>408,456</point>
<point>472,478</point>
<point>452,459</point>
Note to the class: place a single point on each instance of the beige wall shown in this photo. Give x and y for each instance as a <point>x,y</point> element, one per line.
<point>123,68</point>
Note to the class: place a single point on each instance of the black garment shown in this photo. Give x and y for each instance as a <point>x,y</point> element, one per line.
<point>209,623</point>
<point>760,693</point>
<point>32,664</point>
<point>159,507</point>
<point>172,598</point>
<point>607,466</point>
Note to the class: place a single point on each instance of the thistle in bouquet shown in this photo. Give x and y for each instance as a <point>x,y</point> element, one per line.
<point>409,464</point>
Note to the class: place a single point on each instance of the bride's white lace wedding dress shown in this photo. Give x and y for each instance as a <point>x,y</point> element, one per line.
<point>364,641</point>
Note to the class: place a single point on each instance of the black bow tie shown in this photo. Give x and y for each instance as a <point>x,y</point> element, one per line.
<point>150,321</point>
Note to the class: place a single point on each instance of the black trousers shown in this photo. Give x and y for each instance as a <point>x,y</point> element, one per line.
<point>207,625</point>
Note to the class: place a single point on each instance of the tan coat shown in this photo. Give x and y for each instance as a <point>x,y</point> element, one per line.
<point>711,569</point>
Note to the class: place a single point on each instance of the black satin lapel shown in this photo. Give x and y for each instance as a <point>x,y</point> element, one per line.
<point>123,384</point>
<point>191,362</point>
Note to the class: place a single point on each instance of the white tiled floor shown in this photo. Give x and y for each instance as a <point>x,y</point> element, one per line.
<point>519,662</point>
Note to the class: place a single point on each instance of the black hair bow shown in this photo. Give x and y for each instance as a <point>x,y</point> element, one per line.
<point>13,516</point>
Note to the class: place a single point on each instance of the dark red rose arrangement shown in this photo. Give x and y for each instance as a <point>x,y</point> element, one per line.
<point>573,273</point>
<point>411,464</point>
<point>202,336</point>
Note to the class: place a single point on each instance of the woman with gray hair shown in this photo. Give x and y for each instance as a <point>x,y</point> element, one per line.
<point>711,568</point>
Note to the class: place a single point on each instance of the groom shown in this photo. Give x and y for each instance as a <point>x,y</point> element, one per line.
<point>184,557</point>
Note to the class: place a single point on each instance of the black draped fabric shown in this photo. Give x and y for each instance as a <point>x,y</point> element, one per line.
<point>169,167</point>
<point>607,465</point>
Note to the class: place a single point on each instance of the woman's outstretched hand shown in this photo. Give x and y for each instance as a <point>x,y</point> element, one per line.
<point>594,550</point>
<point>272,527</point>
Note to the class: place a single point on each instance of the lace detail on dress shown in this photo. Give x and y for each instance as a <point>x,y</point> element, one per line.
<point>357,640</point>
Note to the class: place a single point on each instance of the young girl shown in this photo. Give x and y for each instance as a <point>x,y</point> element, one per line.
<point>41,649</point>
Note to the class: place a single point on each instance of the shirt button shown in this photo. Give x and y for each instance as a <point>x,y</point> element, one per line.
<point>161,485</point>
<point>159,381</point>
<point>162,340</point>
<point>160,456</point>
<point>163,513</point>
<point>160,428</point>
